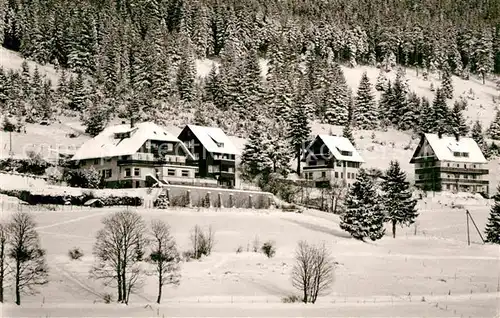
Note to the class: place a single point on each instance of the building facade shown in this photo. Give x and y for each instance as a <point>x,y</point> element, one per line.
<point>214,154</point>
<point>331,159</point>
<point>138,156</point>
<point>444,163</point>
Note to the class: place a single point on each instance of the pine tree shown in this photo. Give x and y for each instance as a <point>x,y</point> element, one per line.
<point>494,129</point>
<point>186,76</point>
<point>398,107</point>
<point>446,84</point>
<point>363,217</point>
<point>426,121</point>
<point>78,94</point>
<point>365,113</point>
<point>347,133</point>
<point>493,226</point>
<point>441,113</point>
<point>385,103</point>
<point>254,159</point>
<point>336,97</point>
<point>484,54</point>
<point>457,121</point>
<point>411,118</point>
<point>477,133</point>
<point>397,198</point>
<point>300,130</point>
<point>381,81</point>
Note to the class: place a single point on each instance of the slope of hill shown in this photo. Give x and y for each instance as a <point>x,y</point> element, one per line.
<point>430,261</point>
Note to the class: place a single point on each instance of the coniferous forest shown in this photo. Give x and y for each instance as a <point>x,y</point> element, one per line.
<point>137,58</point>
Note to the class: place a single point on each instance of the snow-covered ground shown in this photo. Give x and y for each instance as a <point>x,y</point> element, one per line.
<point>427,271</point>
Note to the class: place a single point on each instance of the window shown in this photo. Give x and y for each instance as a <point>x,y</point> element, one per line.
<point>171,172</point>
<point>346,153</point>
<point>474,177</point>
<point>108,159</point>
<point>323,174</point>
<point>348,175</point>
<point>342,175</point>
<point>339,163</point>
<point>474,166</point>
<point>448,187</point>
<point>465,166</point>
<point>107,173</point>
<point>448,164</point>
<point>310,175</point>
<point>137,172</point>
<point>127,172</point>
<point>220,144</point>
<point>96,161</point>
<point>185,173</point>
<point>465,154</point>
<point>456,154</point>
<point>230,169</point>
<point>336,174</point>
<point>466,176</point>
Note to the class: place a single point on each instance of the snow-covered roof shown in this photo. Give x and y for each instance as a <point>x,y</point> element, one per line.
<point>337,145</point>
<point>106,145</point>
<point>214,139</point>
<point>446,147</point>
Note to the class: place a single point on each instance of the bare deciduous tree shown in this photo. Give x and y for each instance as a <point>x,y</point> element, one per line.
<point>3,263</point>
<point>164,256</point>
<point>30,267</point>
<point>119,250</point>
<point>203,243</point>
<point>313,272</point>
<point>337,191</point>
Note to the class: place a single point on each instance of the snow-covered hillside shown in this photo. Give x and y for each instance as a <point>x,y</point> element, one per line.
<point>429,261</point>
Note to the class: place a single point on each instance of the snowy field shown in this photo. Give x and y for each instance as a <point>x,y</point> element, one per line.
<point>427,271</point>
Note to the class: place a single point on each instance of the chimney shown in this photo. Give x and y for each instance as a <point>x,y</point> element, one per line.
<point>132,122</point>
<point>440,134</point>
<point>457,137</point>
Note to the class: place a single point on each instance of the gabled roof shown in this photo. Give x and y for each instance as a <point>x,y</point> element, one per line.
<point>214,139</point>
<point>106,145</point>
<point>445,146</point>
<point>336,145</point>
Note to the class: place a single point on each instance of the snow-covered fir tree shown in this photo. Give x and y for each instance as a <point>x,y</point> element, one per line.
<point>494,129</point>
<point>411,118</point>
<point>364,216</point>
<point>336,97</point>
<point>426,122</point>
<point>440,113</point>
<point>79,94</point>
<point>382,81</point>
<point>397,200</point>
<point>446,83</point>
<point>254,158</point>
<point>385,102</point>
<point>493,226</point>
<point>477,134</point>
<point>347,133</point>
<point>365,112</point>
<point>186,75</point>
<point>484,54</point>
<point>299,131</point>
<point>457,121</point>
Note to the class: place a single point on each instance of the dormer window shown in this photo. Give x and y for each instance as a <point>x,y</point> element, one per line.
<point>220,144</point>
<point>465,154</point>
<point>456,154</point>
<point>346,153</point>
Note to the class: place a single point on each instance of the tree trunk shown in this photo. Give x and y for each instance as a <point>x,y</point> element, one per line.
<point>18,279</point>
<point>119,280</point>
<point>2,269</point>
<point>298,161</point>
<point>483,74</point>
<point>160,287</point>
<point>124,286</point>
<point>394,228</point>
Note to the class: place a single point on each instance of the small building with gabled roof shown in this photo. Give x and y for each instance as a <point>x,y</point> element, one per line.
<point>136,156</point>
<point>214,153</point>
<point>329,159</point>
<point>450,163</point>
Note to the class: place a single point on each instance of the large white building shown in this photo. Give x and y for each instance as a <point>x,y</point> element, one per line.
<point>450,163</point>
<point>137,156</point>
<point>330,159</point>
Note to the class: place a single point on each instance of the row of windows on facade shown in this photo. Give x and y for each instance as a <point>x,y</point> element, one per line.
<point>449,176</point>
<point>345,164</point>
<point>349,175</point>
<point>217,156</point>
<point>431,164</point>
<point>455,154</point>
<point>463,187</point>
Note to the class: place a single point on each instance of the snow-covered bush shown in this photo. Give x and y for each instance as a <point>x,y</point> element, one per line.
<point>268,249</point>
<point>75,253</point>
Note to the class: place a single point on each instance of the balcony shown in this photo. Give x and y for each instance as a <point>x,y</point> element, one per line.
<point>318,167</point>
<point>150,159</point>
<point>451,170</point>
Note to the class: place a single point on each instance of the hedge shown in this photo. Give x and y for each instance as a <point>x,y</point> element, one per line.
<point>33,199</point>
